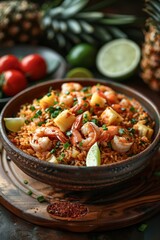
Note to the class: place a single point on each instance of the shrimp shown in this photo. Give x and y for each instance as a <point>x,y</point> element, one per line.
<point>81,105</point>
<point>84,136</point>
<point>66,100</point>
<point>70,87</point>
<point>41,140</point>
<point>106,92</point>
<point>109,133</point>
<point>121,144</point>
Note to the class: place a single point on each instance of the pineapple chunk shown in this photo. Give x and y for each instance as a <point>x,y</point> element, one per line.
<point>97,100</point>
<point>110,116</point>
<point>48,100</point>
<point>143,130</point>
<point>64,120</point>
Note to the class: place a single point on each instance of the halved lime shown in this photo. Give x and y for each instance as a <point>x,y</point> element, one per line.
<point>79,73</point>
<point>14,124</point>
<point>93,156</point>
<point>118,59</point>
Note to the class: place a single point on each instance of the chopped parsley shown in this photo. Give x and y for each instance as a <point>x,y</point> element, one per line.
<point>104,127</point>
<point>68,133</point>
<point>121,131</point>
<point>41,199</point>
<point>29,192</point>
<point>66,145</point>
<point>132,109</point>
<point>32,108</point>
<point>79,111</point>
<point>142,227</point>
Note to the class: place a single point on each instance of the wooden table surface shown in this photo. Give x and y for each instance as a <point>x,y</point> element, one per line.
<point>13,227</point>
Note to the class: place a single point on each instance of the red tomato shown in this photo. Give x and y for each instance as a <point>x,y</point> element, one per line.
<point>9,62</point>
<point>34,66</point>
<point>13,82</point>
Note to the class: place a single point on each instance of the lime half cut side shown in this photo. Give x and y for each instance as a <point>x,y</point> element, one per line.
<point>118,59</point>
<point>14,124</point>
<point>93,156</point>
<point>79,73</point>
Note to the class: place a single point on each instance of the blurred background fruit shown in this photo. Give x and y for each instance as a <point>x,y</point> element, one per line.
<point>150,64</point>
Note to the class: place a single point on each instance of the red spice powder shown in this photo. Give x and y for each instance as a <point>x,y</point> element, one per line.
<point>66,209</point>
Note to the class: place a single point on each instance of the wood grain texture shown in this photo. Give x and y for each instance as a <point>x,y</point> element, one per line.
<point>138,200</point>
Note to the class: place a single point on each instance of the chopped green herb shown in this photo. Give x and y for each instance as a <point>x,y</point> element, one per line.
<point>29,192</point>
<point>55,113</point>
<point>68,133</point>
<point>142,227</point>
<point>55,102</point>
<point>32,108</point>
<point>131,130</point>
<point>27,122</point>
<point>85,89</point>
<point>132,109</point>
<point>121,131</point>
<point>38,113</point>
<point>133,121</point>
<point>109,144</point>
<point>67,92</point>
<point>66,145</point>
<point>123,109</point>
<point>61,157</point>
<point>40,123</point>
<point>97,104</point>
<point>95,121</point>
<point>49,94</point>
<point>80,144</point>
<point>53,150</point>
<point>104,127</point>
<point>41,199</point>
<point>25,181</point>
<point>79,111</point>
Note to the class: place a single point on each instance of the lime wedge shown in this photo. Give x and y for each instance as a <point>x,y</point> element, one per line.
<point>118,59</point>
<point>14,124</point>
<point>79,73</point>
<point>93,157</point>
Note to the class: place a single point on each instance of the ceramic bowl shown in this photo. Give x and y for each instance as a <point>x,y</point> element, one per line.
<point>74,177</point>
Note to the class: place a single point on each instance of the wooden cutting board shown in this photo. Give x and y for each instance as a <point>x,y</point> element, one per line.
<point>139,199</point>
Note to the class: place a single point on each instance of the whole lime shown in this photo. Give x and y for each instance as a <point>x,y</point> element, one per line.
<point>82,55</point>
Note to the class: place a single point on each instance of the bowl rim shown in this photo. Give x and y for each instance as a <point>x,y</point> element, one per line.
<point>155,143</point>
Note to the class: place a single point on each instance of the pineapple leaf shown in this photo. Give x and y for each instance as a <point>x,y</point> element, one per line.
<point>117,32</point>
<point>100,5</point>
<point>69,3</point>
<point>90,15</point>
<point>63,26</point>
<point>61,40</point>
<point>55,25</point>
<point>54,12</point>
<point>118,19</point>
<point>86,27</point>
<point>102,33</point>
<point>74,26</point>
<point>73,9</point>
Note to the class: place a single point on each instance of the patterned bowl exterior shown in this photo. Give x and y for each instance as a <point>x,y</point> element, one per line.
<point>74,177</point>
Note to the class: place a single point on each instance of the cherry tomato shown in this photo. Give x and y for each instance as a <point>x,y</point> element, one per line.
<point>9,62</point>
<point>13,82</point>
<point>34,66</point>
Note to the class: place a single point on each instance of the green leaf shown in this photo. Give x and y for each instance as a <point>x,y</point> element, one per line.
<point>63,26</point>
<point>73,9</point>
<point>102,33</point>
<point>54,12</point>
<point>118,20</point>
<point>116,32</point>
<point>74,26</point>
<point>61,39</point>
<point>90,15</point>
<point>55,25</point>
<point>100,5</point>
<point>88,28</point>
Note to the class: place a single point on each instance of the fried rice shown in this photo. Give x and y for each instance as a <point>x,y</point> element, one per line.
<point>62,125</point>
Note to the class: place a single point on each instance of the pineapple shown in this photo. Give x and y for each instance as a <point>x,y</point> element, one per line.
<point>150,63</point>
<point>62,24</point>
<point>19,23</point>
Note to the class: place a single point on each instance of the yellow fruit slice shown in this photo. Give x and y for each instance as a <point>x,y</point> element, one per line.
<point>118,59</point>
<point>14,124</point>
<point>79,73</point>
<point>93,156</point>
